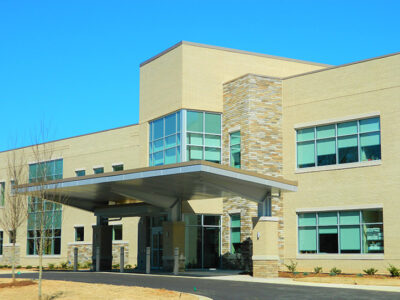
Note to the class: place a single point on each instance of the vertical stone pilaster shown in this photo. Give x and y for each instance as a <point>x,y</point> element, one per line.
<point>253,106</point>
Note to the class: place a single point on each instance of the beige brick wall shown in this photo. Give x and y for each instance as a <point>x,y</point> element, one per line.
<point>353,90</point>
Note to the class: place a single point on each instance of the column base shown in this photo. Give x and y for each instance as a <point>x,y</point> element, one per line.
<point>265,268</point>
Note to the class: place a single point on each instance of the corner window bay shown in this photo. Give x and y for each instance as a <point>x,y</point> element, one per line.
<point>358,231</point>
<point>341,143</point>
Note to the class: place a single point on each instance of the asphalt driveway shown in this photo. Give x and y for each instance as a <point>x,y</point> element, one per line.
<point>216,289</point>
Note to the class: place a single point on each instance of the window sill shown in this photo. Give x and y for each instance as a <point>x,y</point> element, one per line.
<point>44,256</point>
<point>355,256</point>
<point>340,167</point>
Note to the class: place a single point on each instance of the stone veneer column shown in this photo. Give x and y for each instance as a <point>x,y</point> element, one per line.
<point>252,104</point>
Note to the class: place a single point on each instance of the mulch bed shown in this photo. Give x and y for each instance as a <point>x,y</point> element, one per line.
<point>17,283</point>
<point>311,274</point>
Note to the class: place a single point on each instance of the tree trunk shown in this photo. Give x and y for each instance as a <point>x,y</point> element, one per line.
<point>13,262</point>
<point>40,265</point>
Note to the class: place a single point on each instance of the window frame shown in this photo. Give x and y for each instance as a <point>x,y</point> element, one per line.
<point>231,247</point>
<point>336,138</point>
<point>76,228</point>
<point>114,166</point>
<point>338,225</point>
<point>204,134</point>
<point>113,232</point>
<point>56,209</point>
<point>240,148</point>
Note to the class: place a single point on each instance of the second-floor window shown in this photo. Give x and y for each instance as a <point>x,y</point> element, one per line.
<point>170,141</point>
<point>340,143</point>
<point>80,173</point>
<point>98,170</point>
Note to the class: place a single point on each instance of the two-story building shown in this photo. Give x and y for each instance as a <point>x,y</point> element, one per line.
<point>239,159</point>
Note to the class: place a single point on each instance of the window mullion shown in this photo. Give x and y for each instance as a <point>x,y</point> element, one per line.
<point>315,147</point>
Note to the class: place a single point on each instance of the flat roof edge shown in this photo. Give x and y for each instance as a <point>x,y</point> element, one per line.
<point>71,137</point>
<point>343,65</point>
<point>230,50</point>
<point>165,167</point>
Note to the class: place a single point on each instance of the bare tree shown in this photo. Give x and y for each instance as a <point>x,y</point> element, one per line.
<point>44,204</point>
<point>15,207</point>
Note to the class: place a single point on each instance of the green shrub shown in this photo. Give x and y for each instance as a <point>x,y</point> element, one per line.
<point>292,266</point>
<point>317,270</point>
<point>305,273</point>
<point>335,271</point>
<point>29,267</point>
<point>64,265</point>
<point>51,266</point>
<point>360,275</point>
<point>394,272</point>
<point>370,271</point>
<point>116,266</point>
<point>128,267</point>
<point>18,267</point>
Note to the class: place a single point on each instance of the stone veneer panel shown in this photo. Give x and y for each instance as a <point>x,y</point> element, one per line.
<point>85,252</point>
<point>6,258</point>
<point>253,105</point>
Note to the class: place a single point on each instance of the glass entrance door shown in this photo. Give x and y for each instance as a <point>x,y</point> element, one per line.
<point>202,241</point>
<point>156,247</point>
<point>210,247</point>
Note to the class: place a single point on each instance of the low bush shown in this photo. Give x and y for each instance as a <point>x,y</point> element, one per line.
<point>51,266</point>
<point>116,266</point>
<point>292,267</point>
<point>128,267</point>
<point>317,270</point>
<point>64,265</point>
<point>29,267</point>
<point>394,272</point>
<point>18,267</point>
<point>335,271</point>
<point>370,271</point>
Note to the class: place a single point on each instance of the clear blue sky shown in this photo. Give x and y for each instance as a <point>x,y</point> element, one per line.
<point>75,64</point>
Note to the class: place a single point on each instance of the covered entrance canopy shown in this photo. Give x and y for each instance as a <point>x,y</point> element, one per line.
<point>151,190</point>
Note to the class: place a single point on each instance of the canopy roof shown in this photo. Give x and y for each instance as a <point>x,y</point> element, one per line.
<point>153,189</point>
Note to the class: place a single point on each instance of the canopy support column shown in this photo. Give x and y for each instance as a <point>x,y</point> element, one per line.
<point>102,240</point>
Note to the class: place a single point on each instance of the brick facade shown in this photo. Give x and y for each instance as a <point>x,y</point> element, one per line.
<point>252,105</point>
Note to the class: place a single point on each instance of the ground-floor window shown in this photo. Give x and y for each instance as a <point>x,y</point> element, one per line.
<point>117,233</point>
<point>235,233</point>
<point>358,231</point>
<point>202,241</point>
<point>50,220</point>
<point>79,234</point>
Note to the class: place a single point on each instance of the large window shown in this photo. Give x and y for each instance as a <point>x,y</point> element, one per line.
<point>165,140</point>
<point>171,141</point>
<point>341,232</point>
<point>2,193</point>
<point>235,149</point>
<point>339,143</point>
<point>203,136</point>
<point>42,213</point>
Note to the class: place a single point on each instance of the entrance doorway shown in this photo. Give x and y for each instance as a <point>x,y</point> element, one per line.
<point>156,242</point>
<point>202,241</point>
